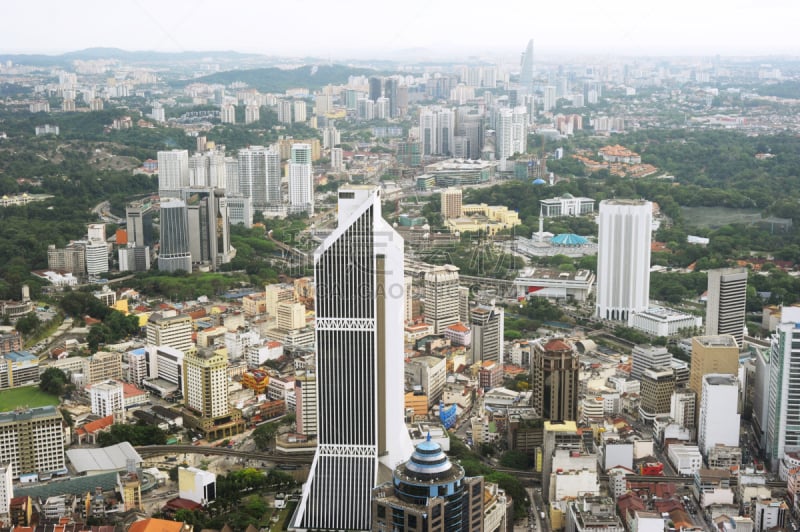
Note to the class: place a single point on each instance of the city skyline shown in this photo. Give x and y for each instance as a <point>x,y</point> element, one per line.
<point>620,27</point>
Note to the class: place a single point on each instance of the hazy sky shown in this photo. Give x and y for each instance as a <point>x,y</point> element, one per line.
<point>376,28</point>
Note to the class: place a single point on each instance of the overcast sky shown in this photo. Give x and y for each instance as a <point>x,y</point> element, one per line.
<point>375,28</point>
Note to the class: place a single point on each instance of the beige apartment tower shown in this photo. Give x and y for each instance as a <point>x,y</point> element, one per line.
<point>712,354</point>
<point>451,203</point>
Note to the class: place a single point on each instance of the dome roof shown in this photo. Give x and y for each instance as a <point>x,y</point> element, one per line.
<point>556,345</point>
<point>569,239</point>
<point>539,181</point>
<point>428,458</point>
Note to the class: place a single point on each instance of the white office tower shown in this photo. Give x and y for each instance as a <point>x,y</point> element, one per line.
<point>646,356</point>
<point>337,159</point>
<point>719,412</point>
<point>173,172</point>
<point>331,137</point>
<point>441,297</point>
<point>260,176</point>
<point>519,130</point>
<point>549,98</point>
<point>727,299</point>
<point>96,257</point>
<point>96,232</point>
<point>781,429</point>
<point>231,175</point>
<point>504,134</point>
<point>107,398</point>
<point>358,273</point>
<point>300,111</point>
<point>301,180</point>
<point>174,254</point>
<point>623,258</point>
<point>240,210</point>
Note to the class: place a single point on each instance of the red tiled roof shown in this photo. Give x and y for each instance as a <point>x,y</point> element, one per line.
<point>94,426</point>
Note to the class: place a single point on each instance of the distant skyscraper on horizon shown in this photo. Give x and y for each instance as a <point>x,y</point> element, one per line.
<point>726,304</point>
<point>526,72</point>
<point>623,258</point>
<point>359,279</point>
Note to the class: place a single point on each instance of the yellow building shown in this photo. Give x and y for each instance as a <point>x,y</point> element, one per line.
<point>487,218</point>
<point>416,405</point>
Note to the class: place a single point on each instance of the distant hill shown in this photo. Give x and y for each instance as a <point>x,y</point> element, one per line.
<point>123,55</point>
<point>278,80</point>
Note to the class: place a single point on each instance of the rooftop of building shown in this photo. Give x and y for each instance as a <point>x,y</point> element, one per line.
<point>111,458</point>
<point>20,356</point>
<point>15,416</point>
<point>716,340</point>
<point>720,379</point>
<point>156,525</point>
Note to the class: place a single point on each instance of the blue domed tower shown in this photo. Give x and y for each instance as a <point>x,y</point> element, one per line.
<point>428,493</point>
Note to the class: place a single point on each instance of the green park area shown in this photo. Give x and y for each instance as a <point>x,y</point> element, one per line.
<point>26,396</point>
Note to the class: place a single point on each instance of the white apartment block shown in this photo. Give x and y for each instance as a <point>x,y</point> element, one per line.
<point>107,398</point>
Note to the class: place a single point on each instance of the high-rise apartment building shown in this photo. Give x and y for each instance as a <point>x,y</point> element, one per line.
<point>173,172</point>
<point>174,252</point>
<point>429,493</point>
<point>359,360</point>
<point>727,298</point>
<point>375,88</point>
<point>441,297</point>
<point>451,203</point>
<point>437,130</point>
<point>712,354</point>
<point>32,440</point>
<point>719,412</point>
<point>251,114</point>
<point>554,380</point>
<point>488,326</point>
<point>301,180</point>
<point>623,258</point>
<point>683,407</point>
<point>300,111</point>
<point>259,175</point>
<point>139,223</point>
<point>96,252</point>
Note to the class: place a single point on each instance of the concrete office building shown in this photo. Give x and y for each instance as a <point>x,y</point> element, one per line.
<point>359,271</point>
<point>488,326</point>
<point>107,398</point>
<point>209,227</point>
<point>656,393</point>
<point>173,331</point>
<point>623,258</point>
<point>727,298</point>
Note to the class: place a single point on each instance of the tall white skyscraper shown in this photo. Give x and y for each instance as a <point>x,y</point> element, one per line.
<point>359,326</point>
<point>259,171</point>
<point>301,180</point>
<point>549,98</point>
<point>623,258</point>
<point>173,172</point>
<point>504,134</point>
<point>719,412</point>
<point>727,301</point>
